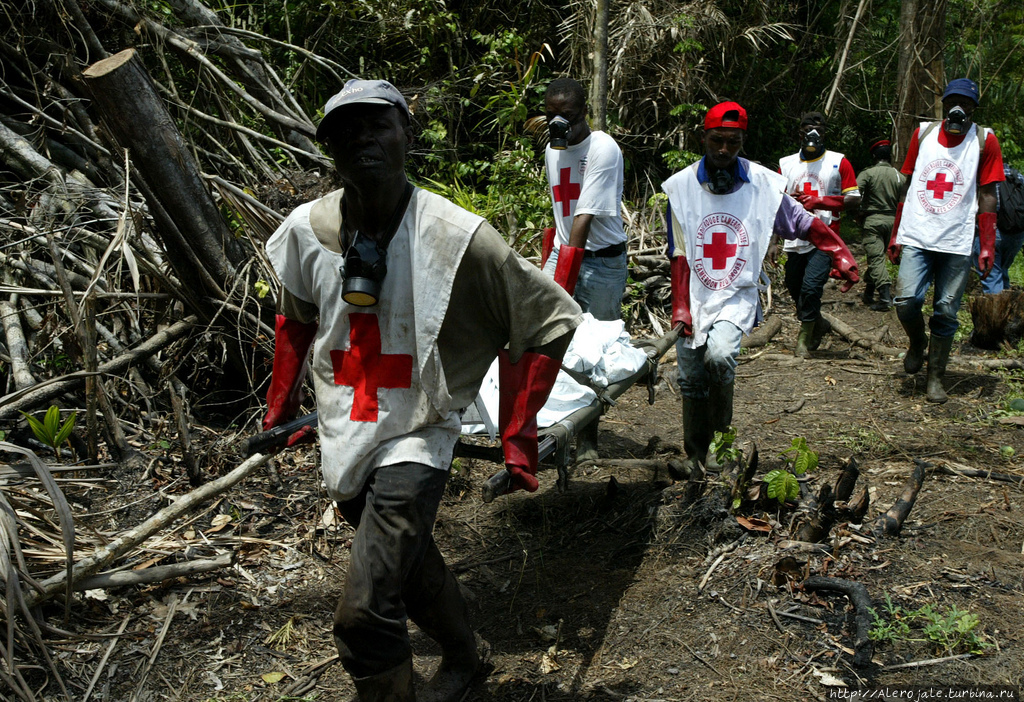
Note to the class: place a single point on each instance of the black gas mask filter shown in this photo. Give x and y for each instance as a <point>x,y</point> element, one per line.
<point>720,181</point>
<point>365,267</point>
<point>558,132</point>
<point>957,120</point>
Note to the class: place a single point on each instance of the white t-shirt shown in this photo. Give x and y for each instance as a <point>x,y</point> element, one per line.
<point>586,178</point>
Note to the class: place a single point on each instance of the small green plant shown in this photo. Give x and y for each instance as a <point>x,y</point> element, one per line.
<point>782,485</point>
<point>722,446</point>
<point>952,631</point>
<point>50,431</point>
<point>799,457</point>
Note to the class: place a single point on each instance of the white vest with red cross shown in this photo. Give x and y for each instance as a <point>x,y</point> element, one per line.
<point>380,388</point>
<point>817,178</point>
<point>942,199</point>
<point>725,239</point>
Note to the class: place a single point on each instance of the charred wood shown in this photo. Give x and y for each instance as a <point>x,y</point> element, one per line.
<point>858,595</point>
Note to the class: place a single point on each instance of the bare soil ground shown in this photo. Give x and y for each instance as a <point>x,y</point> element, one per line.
<point>592,593</point>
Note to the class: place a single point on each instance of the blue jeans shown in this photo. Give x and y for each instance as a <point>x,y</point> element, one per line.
<point>1007,246</point>
<point>714,362</point>
<point>600,286</point>
<point>919,268</point>
<point>393,568</point>
<point>806,275</point>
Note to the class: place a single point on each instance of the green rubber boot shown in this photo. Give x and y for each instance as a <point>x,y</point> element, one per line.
<point>938,358</point>
<point>803,340</point>
<point>696,425</point>
<point>913,361</point>
<point>393,685</point>
<point>720,407</point>
<point>821,327</point>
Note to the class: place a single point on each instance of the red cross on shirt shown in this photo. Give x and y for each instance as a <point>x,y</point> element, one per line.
<point>566,191</point>
<point>719,250</point>
<point>365,369</point>
<point>809,189</point>
<point>940,186</point>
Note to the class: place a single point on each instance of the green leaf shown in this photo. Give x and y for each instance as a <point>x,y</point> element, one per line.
<point>37,427</point>
<point>52,422</point>
<point>65,430</point>
<point>792,487</point>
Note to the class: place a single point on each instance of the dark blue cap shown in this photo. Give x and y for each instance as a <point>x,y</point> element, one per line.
<point>962,86</point>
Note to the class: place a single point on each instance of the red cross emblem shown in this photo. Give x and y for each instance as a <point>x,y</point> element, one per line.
<point>365,369</point>
<point>809,189</point>
<point>566,191</point>
<point>719,250</point>
<point>940,186</point>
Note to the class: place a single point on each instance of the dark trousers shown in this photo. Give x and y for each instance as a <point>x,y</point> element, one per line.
<point>806,275</point>
<point>395,569</point>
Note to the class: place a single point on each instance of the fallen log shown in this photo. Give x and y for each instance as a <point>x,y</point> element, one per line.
<point>890,523</point>
<point>858,595</point>
<point>857,339</point>
<point>762,334</point>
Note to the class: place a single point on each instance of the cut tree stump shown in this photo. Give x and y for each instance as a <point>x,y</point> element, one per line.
<point>998,319</point>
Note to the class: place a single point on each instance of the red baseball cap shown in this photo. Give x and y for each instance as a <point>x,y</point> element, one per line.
<point>726,114</point>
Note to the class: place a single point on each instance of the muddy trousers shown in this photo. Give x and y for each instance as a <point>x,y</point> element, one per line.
<point>876,232</point>
<point>395,569</point>
<point>806,275</point>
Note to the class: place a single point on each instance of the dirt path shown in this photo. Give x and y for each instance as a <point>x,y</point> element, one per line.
<point>593,593</point>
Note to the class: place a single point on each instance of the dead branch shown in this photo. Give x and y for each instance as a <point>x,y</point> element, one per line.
<point>763,334</point>
<point>16,346</point>
<point>858,595</point>
<point>155,574</point>
<point>195,477</point>
<point>131,538</point>
<point>977,473</point>
<point>890,523</point>
<point>857,339</point>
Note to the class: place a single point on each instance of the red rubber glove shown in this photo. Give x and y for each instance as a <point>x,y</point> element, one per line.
<point>547,244</point>
<point>523,388</point>
<point>681,295</point>
<point>832,203</point>
<point>987,241</point>
<point>292,341</point>
<point>567,270</point>
<point>894,250</point>
<point>825,239</point>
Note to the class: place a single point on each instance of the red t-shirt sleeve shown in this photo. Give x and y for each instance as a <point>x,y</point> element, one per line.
<point>908,162</point>
<point>990,170</point>
<point>847,178</point>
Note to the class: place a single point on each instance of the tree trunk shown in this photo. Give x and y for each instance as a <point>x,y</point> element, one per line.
<point>599,87</point>
<point>177,197</point>
<point>920,74</point>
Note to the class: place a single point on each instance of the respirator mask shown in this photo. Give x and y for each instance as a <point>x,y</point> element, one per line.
<point>364,271</point>
<point>720,181</point>
<point>813,143</point>
<point>957,120</point>
<point>558,131</point>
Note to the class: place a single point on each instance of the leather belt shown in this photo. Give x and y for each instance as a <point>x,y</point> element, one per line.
<point>607,252</point>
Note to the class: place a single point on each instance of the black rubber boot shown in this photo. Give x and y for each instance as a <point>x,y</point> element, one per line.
<point>868,295</point>
<point>446,620</point>
<point>938,358</point>
<point>696,436</point>
<point>914,358</point>
<point>821,327</point>
<point>884,299</point>
<point>393,685</point>
<point>720,409</point>
<point>803,340</point>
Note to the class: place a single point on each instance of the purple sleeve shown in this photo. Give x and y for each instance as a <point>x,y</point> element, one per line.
<point>791,220</point>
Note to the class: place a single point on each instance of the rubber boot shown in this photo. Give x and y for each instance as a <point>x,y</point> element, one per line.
<point>393,685</point>
<point>586,444</point>
<point>446,621</point>
<point>869,293</point>
<point>938,358</point>
<point>696,438</point>
<point>884,298</point>
<point>803,340</point>
<point>821,327</point>
<point>914,358</point>
<point>720,409</point>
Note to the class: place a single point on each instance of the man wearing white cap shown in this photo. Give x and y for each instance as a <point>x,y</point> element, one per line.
<point>723,211</point>
<point>953,167</point>
<point>409,299</point>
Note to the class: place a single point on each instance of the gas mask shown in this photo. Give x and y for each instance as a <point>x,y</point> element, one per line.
<point>957,120</point>
<point>558,130</point>
<point>813,143</point>
<point>720,181</point>
<point>365,268</point>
